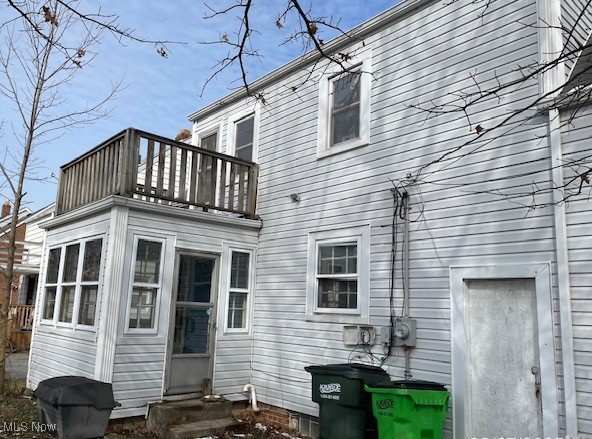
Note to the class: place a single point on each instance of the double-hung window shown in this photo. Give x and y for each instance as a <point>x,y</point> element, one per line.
<point>239,291</point>
<point>243,138</point>
<point>344,106</point>
<point>338,274</point>
<point>72,283</point>
<point>146,284</point>
<point>243,134</point>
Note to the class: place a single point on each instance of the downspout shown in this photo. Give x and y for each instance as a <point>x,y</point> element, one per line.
<point>567,349</point>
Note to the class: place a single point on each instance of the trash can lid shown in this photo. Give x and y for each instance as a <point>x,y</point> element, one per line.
<point>411,384</point>
<point>76,390</point>
<point>347,367</point>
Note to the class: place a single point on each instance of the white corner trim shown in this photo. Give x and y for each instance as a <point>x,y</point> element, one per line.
<point>111,295</point>
<point>563,283</point>
<point>550,38</point>
<point>541,273</point>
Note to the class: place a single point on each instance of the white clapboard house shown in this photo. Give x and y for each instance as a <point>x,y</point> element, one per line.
<point>299,231</point>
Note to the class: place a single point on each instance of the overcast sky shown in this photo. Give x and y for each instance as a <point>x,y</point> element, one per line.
<point>161,92</point>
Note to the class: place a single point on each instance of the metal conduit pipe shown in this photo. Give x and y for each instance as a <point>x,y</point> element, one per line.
<point>251,388</point>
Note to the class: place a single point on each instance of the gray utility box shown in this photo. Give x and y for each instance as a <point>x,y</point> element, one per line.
<point>78,407</point>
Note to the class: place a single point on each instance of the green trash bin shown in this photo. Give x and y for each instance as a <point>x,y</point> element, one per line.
<point>409,409</point>
<point>345,410</point>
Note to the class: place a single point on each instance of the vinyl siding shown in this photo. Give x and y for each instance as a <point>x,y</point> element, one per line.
<point>458,218</point>
<point>57,351</point>
<point>576,145</point>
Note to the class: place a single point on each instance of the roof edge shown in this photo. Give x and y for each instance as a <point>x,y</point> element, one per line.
<point>361,30</point>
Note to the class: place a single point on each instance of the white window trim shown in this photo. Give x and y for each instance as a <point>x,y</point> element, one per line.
<point>228,249</point>
<point>154,329</point>
<point>230,138</point>
<point>208,131</point>
<point>360,235</point>
<point>78,284</point>
<point>324,148</point>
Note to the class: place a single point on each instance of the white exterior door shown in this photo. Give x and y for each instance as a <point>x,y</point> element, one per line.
<point>502,381</point>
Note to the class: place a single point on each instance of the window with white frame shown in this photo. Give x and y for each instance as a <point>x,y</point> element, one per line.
<point>239,291</point>
<point>243,133</point>
<point>209,141</point>
<point>338,272</point>
<point>344,107</point>
<point>72,283</point>
<point>243,137</point>
<point>145,285</point>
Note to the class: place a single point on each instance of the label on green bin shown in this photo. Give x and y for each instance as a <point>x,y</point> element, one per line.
<point>330,391</point>
<point>384,407</point>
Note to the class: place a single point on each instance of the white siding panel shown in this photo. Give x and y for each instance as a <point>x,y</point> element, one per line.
<point>576,144</point>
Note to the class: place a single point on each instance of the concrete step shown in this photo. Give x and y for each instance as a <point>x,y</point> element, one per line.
<point>200,429</point>
<point>166,414</point>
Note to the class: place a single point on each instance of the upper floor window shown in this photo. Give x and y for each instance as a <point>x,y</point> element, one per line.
<point>243,141</point>
<point>344,107</point>
<point>72,283</point>
<point>243,133</point>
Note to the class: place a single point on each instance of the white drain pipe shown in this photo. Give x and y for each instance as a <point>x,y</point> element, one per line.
<point>251,388</point>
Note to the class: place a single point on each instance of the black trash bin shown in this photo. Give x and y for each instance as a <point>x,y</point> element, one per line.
<point>345,408</point>
<point>75,407</point>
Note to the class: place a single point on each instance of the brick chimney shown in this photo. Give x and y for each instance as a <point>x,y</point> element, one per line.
<point>5,209</point>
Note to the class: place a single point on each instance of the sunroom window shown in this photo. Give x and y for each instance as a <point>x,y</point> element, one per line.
<point>145,284</point>
<point>72,283</point>
<point>238,293</point>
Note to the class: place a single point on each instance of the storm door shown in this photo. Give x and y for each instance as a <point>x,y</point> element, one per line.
<point>192,333</point>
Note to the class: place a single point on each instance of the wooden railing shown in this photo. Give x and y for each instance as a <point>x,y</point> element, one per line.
<point>27,253</point>
<point>21,317</point>
<point>144,166</point>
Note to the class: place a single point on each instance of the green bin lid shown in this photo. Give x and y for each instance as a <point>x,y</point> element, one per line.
<point>411,385</point>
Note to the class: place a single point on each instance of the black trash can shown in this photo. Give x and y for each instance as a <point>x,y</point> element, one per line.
<point>75,407</point>
<point>345,408</point>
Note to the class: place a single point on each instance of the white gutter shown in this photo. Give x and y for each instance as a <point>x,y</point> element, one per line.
<point>351,37</point>
<point>550,45</point>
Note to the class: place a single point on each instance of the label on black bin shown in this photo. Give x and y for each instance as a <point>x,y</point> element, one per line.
<point>330,391</point>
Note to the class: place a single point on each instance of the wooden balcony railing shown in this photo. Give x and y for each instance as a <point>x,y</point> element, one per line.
<point>144,166</point>
<point>21,317</point>
<point>27,253</point>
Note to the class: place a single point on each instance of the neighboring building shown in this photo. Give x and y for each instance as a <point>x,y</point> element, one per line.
<point>160,273</point>
<point>29,243</point>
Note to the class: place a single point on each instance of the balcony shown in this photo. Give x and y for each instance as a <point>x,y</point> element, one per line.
<point>143,166</point>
